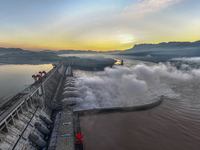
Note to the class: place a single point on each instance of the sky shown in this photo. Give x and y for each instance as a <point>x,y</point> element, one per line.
<point>96,25</point>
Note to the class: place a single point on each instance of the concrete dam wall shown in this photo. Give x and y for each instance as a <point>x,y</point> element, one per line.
<point>24,123</point>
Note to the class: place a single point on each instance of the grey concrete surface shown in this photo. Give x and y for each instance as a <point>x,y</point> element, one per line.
<point>65,139</point>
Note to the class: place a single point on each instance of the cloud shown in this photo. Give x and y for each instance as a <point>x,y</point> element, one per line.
<point>148,55</point>
<point>150,73</point>
<point>147,6</point>
<point>137,84</point>
<point>188,59</point>
<point>97,23</point>
<point>128,86</point>
<point>125,38</point>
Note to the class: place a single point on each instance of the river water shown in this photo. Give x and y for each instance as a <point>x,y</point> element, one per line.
<point>174,125</point>
<point>169,126</point>
<point>15,78</point>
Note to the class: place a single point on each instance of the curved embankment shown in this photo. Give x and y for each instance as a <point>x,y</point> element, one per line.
<point>120,109</point>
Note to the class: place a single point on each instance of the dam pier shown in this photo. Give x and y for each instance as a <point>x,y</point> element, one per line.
<point>42,116</point>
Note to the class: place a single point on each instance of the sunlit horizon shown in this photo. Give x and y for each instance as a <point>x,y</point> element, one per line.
<point>33,49</point>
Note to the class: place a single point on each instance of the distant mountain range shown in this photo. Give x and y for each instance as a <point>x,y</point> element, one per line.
<point>75,52</point>
<point>11,50</point>
<point>166,45</point>
<point>136,49</point>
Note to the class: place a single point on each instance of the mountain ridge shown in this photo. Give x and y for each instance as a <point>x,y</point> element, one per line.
<point>142,46</point>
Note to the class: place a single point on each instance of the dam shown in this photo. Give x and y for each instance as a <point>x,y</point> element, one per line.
<point>40,118</point>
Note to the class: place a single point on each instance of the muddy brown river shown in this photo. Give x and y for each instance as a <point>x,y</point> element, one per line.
<point>174,125</point>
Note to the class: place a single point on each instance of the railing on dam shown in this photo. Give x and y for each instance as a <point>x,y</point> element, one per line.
<point>26,101</point>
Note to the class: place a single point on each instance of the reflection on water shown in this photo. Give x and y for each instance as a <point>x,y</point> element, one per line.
<point>15,78</point>
<point>118,62</point>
